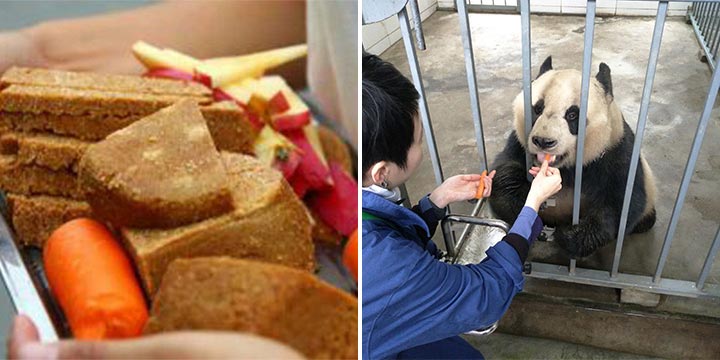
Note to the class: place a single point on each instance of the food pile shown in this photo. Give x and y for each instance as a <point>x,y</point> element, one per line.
<point>205,178</point>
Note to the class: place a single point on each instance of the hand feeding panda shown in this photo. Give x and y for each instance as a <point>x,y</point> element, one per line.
<point>608,149</point>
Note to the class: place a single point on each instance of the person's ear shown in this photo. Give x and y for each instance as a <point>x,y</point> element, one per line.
<point>379,173</point>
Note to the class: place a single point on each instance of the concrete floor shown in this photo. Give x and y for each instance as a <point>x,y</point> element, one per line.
<point>680,89</point>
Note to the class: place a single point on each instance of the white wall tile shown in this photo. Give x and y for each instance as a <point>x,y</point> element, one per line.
<point>446,4</point>
<point>573,10</point>
<point>544,9</point>
<point>380,47</point>
<point>574,3</point>
<point>623,4</point>
<point>635,12</point>
<point>373,33</point>
<point>545,3</point>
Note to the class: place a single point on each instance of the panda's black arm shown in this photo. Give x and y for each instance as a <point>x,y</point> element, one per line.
<point>598,227</point>
<point>509,190</point>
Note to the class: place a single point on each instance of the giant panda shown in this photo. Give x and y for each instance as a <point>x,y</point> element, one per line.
<point>606,161</point>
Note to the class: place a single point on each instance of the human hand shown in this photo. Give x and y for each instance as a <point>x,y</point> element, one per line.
<point>19,48</point>
<point>24,343</point>
<point>547,183</point>
<point>459,188</point>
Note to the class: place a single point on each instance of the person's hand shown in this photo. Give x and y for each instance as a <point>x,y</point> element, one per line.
<point>547,183</point>
<point>24,343</point>
<point>459,188</point>
<point>19,48</point>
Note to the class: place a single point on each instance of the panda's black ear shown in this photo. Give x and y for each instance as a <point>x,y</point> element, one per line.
<point>603,76</point>
<point>546,66</point>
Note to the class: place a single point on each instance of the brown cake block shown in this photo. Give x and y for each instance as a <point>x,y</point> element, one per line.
<point>91,127</point>
<point>50,151</point>
<point>8,143</point>
<point>228,125</point>
<point>160,172</point>
<point>36,180</point>
<point>96,81</point>
<point>274,301</point>
<point>56,100</point>
<point>269,223</point>
<point>34,218</point>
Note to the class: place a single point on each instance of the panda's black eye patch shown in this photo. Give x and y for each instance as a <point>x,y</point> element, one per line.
<point>572,115</point>
<point>539,107</point>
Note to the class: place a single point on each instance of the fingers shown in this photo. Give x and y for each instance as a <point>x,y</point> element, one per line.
<point>470,177</point>
<point>491,175</point>
<point>544,167</point>
<point>488,186</point>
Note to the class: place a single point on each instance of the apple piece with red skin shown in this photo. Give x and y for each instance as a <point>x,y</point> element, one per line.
<point>288,122</point>
<point>155,58</point>
<point>167,73</point>
<point>314,171</point>
<point>299,184</point>
<point>275,150</point>
<point>278,104</point>
<point>337,206</point>
<point>219,72</point>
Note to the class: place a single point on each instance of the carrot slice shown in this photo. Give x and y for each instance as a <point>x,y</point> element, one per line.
<point>93,280</point>
<point>350,254</point>
<point>547,157</point>
<point>481,188</point>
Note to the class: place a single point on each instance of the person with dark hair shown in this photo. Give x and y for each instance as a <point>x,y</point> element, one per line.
<point>415,305</point>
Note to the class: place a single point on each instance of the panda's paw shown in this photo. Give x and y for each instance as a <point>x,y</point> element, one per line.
<point>573,240</point>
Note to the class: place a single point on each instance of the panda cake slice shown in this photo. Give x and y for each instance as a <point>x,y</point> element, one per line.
<point>608,150</point>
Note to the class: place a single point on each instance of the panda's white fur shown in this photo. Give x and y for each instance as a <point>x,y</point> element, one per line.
<point>606,159</point>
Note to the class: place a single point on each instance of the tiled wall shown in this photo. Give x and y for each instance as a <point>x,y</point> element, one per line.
<point>377,37</point>
<point>604,7</point>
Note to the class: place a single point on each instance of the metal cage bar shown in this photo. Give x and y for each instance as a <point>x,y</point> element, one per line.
<point>640,131</point>
<point>687,176</point>
<point>472,80</point>
<point>584,93</point>
<point>422,103</point>
<point>709,260</point>
<point>527,73</point>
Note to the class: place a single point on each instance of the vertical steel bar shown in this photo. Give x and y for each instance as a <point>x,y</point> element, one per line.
<point>713,30</point>
<point>417,79</point>
<point>689,169</point>
<point>472,80</point>
<point>706,20</point>
<point>709,260</point>
<point>527,73</point>
<point>584,92</point>
<point>417,21</point>
<point>640,131</point>
<point>715,27</point>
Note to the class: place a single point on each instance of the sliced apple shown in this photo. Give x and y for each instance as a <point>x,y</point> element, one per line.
<point>155,58</point>
<point>337,206</point>
<point>166,73</point>
<point>226,70</point>
<point>315,172</point>
<point>278,104</point>
<point>273,149</point>
<point>299,184</point>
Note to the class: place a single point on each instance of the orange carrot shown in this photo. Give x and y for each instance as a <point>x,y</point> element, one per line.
<point>481,188</point>
<point>547,157</point>
<point>350,254</point>
<point>93,280</point>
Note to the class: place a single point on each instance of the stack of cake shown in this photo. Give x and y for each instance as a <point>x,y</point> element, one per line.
<point>50,117</point>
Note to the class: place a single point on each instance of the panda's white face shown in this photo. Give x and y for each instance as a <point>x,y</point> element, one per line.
<point>556,116</point>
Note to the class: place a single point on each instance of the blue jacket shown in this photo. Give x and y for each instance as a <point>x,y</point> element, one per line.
<point>410,298</point>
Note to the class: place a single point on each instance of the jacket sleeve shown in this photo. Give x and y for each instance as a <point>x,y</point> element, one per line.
<point>440,300</point>
<point>429,212</point>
